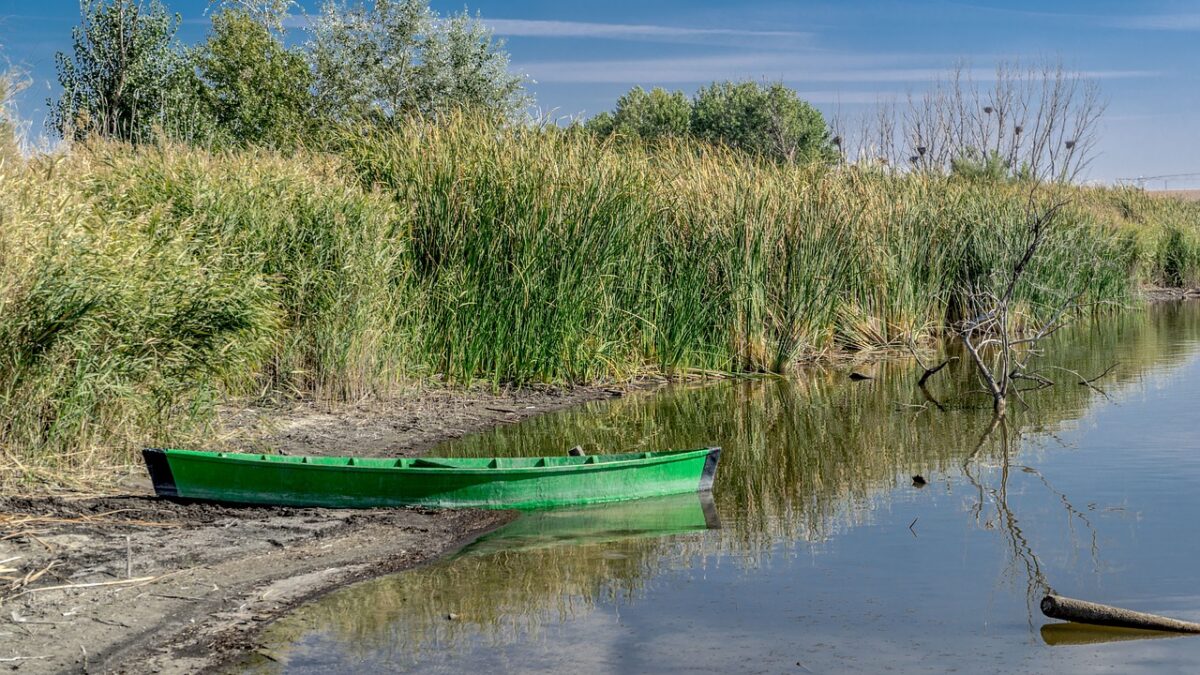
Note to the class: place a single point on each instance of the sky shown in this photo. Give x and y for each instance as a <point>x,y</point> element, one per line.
<point>841,56</point>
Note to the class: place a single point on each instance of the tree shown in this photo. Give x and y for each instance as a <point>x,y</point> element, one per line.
<point>767,120</point>
<point>1041,122</point>
<point>397,58</point>
<point>600,125</point>
<point>255,89</point>
<point>652,115</point>
<point>125,74</point>
<point>463,68</point>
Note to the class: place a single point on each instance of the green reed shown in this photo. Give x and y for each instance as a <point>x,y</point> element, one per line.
<point>139,287</point>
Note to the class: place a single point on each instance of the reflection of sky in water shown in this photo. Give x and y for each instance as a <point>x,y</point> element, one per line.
<point>860,592</point>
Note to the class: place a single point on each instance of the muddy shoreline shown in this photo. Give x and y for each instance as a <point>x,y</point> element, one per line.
<point>129,583</point>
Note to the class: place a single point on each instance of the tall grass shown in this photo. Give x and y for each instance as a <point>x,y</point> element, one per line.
<point>542,256</point>
<point>140,286</point>
<point>9,150</point>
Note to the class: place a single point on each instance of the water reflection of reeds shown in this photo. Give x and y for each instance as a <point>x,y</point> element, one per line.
<point>803,460</point>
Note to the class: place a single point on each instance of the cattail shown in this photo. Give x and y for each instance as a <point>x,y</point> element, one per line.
<point>837,140</point>
<point>1070,144</point>
<point>988,109</point>
<point>921,150</point>
<point>914,159</point>
<point>1018,129</point>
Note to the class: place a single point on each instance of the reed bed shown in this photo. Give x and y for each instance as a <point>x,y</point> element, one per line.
<point>140,287</point>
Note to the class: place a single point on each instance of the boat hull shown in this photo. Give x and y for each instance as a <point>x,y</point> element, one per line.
<point>340,482</point>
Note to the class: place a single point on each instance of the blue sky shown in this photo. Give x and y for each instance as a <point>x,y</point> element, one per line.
<point>839,55</point>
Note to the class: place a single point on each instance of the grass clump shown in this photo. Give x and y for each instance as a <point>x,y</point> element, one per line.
<point>140,288</point>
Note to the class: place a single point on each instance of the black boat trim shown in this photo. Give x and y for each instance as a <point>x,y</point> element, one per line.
<point>160,472</point>
<point>710,469</point>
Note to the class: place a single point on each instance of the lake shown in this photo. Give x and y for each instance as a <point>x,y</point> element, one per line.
<point>817,551</point>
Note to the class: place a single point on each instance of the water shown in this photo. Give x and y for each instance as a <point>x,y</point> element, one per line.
<point>819,554</point>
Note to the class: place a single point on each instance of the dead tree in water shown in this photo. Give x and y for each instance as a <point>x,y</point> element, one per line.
<point>987,335</point>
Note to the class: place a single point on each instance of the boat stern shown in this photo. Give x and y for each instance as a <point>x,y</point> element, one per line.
<point>709,473</point>
<point>160,472</point>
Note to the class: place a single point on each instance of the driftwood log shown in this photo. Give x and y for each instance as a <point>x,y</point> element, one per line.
<point>1081,611</point>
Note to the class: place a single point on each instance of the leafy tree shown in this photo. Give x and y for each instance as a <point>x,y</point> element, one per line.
<point>767,120</point>
<point>462,67</point>
<point>600,124</point>
<point>125,74</point>
<point>255,89</point>
<point>652,115</point>
<point>397,57</point>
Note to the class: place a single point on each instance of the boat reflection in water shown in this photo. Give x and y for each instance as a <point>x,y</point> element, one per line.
<point>545,567</point>
<point>602,524</point>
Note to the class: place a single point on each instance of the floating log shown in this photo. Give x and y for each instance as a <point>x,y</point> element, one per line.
<point>1081,611</point>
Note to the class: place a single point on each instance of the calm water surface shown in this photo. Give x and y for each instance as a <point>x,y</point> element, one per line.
<point>817,553</point>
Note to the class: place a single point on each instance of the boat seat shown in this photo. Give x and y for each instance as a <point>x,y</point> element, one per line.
<point>419,463</point>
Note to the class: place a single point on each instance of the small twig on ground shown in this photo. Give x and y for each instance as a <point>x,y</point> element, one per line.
<point>64,587</point>
<point>107,622</point>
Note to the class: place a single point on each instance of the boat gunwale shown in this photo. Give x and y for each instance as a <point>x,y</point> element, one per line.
<point>258,459</point>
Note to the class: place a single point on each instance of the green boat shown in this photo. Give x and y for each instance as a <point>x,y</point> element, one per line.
<point>494,483</point>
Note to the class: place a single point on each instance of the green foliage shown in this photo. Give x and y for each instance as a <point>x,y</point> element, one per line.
<point>1179,258</point>
<point>766,120</point>
<point>651,115</point>
<point>254,88</point>
<point>973,165</point>
<point>600,124</point>
<point>125,74</point>
<point>141,286</point>
<point>397,58</point>
<point>542,256</point>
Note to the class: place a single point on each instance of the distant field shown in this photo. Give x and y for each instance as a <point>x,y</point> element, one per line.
<point>1191,195</point>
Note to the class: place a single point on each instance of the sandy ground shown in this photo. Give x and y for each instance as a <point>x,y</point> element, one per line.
<point>130,583</point>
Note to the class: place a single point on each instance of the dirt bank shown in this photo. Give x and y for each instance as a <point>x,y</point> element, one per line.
<point>130,583</point>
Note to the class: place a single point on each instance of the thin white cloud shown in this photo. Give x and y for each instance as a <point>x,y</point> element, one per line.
<point>794,67</point>
<point>1168,22</point>
<point>1177,22</point>
<point>711,67</point>
<point>623,31</point>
